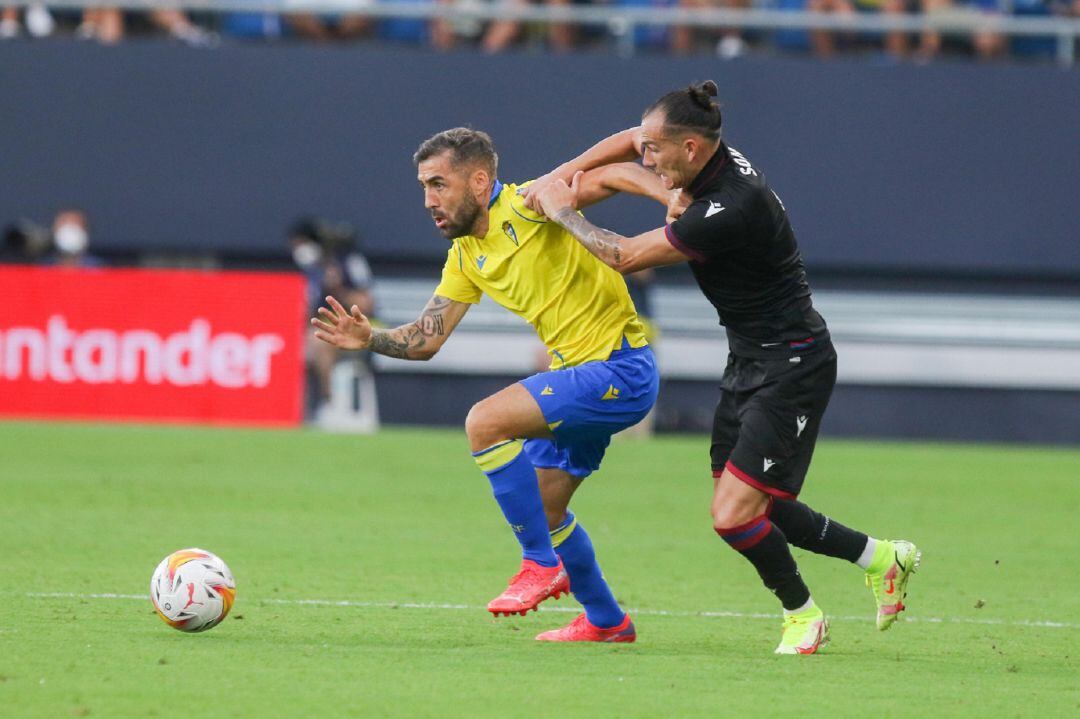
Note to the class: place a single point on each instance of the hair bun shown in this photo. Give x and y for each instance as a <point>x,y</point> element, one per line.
<point>702,93</point>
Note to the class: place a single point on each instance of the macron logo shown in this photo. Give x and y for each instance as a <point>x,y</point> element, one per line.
<point>480,261</point>
<point>768,464</point>
<point>714,208</point>
<point>800,425</point>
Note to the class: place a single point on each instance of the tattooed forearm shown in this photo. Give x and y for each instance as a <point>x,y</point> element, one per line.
<point>605,244</point>
<point>431,322</point>
<point>411,341</point>
<point>392,343</point>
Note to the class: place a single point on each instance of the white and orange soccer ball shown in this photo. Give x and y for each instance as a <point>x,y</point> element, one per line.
<point>192,590</point>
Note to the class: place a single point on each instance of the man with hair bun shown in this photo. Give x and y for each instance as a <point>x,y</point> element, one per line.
<point>537,439</point>
<point>733,230</point>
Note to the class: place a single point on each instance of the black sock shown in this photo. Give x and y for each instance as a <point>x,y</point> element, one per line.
<point>812,530</point>
<point>762,542</point>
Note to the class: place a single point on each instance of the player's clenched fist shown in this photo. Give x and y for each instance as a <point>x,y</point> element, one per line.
<point>558,195</point>
<point>678,201</point>
<point>347,330</point>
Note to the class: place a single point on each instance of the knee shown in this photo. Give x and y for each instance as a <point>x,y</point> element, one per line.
<point>728,515</point>
<point>482,428</point>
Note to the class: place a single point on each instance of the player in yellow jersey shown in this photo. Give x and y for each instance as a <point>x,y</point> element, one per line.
<point>537,439</point>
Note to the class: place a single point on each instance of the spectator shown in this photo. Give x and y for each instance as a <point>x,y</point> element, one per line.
<point>327,255</point>
<point>107,26</point>
<point>824,41</point>
<point>502,33</point>
<point>39,22</point>
<point>329,28</point>
<point>986,42</point>
<point>71,240</point>
<point>25,242</point>
<point>417,31</point>
<point>731,43</point>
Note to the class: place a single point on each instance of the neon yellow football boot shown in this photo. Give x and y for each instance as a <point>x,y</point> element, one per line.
<point>887,576</point>
<point>805,632</point>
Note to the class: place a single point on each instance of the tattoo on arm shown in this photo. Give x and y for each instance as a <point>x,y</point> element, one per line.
<point>411,341</point>
<point>605,244</point>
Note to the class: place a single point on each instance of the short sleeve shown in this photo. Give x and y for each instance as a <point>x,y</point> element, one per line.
<point>455,285</point>
<point>707,228</point>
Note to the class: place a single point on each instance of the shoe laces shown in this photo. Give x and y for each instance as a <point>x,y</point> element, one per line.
<point>529,571</point>
<point>580,621</point>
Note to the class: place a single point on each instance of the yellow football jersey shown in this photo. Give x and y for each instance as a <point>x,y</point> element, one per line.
<point>578,306</point>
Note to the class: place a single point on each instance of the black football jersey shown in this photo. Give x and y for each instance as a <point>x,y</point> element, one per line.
<point>744,257</point>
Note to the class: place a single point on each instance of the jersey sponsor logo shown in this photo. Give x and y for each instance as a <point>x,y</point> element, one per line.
<point>480,262</point>
<point>768,464</point>
<point>715,208</point>
<point>508,230</point>
<point>547,390</point>
<point>612,393</point>
<point>800,425</point>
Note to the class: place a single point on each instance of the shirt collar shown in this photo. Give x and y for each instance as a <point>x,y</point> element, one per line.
<point>495,190</point>
<point>710,171</point>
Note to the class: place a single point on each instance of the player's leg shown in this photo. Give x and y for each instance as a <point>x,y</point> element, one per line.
<point>740,518</point>
<point>888,564</point>
<point>604,620</point>
<point>496,427</point>
<point>751,465</point>
<point>805,528</point>
<point>586,405</point>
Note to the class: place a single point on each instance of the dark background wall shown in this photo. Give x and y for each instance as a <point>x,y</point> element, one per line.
<point>883,168</point>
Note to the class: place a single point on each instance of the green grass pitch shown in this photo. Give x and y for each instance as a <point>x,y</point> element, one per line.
<point>396,539</point>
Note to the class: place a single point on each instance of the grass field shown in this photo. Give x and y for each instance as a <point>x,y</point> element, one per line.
<point>398,545</point>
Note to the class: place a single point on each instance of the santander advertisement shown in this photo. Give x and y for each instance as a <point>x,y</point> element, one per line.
<point>159,345</point>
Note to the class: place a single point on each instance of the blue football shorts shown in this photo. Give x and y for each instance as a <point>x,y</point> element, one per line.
<point>586,404</point>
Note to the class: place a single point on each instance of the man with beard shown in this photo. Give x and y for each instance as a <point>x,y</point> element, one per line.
<point>537,439</point>
<point>781,366</point>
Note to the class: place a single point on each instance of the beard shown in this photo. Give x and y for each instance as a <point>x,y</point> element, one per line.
<point>462,221</point>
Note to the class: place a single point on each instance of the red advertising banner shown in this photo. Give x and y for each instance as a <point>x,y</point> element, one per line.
<point>161,345</point>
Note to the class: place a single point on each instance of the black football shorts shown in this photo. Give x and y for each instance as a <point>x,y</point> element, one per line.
<point>767,420</point>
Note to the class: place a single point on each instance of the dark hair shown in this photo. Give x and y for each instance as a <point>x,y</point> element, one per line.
<point>691,109</point>
<point>467,146</point>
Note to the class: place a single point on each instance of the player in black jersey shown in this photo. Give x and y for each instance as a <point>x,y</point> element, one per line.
<point>733,229</point>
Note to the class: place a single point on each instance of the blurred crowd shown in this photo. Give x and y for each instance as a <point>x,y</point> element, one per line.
<point>111,25</point>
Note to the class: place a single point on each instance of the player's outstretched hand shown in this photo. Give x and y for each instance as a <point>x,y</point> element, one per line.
<point>347,330</point>
<point>678,201</point>
<point>558,195</point>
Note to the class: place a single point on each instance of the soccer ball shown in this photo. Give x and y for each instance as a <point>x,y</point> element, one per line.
<point>192,590</point>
